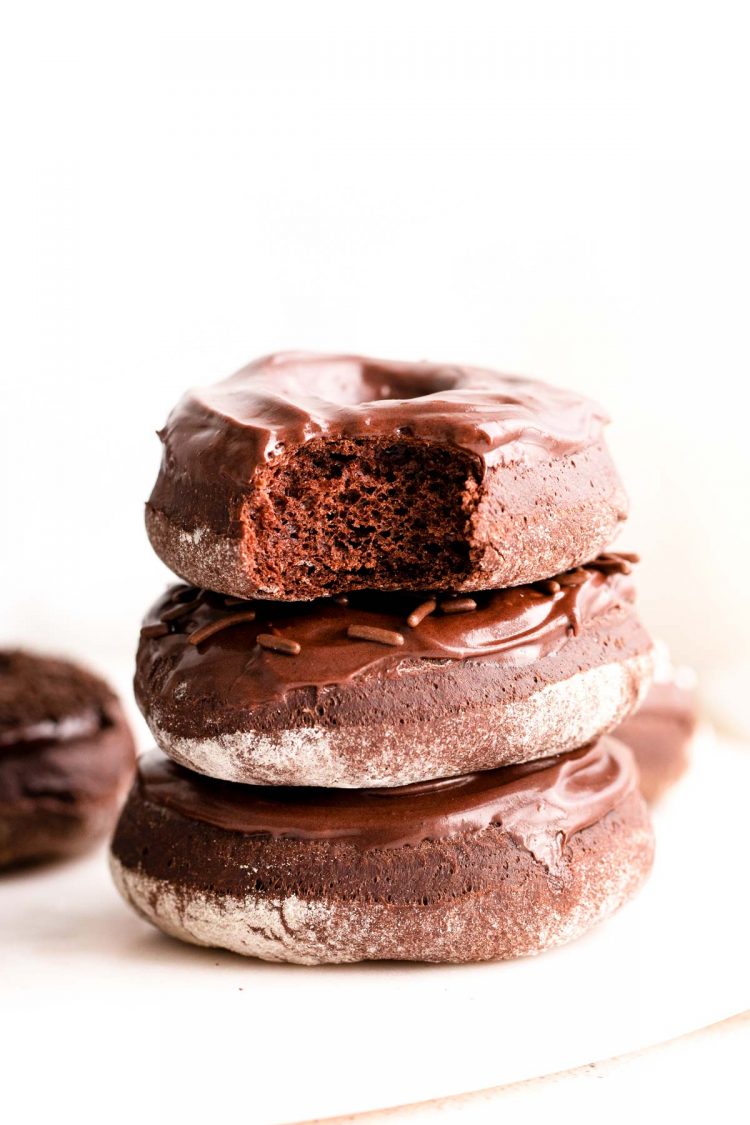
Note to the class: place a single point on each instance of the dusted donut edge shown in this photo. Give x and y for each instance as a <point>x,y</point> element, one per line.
<point>558,717</point>
<point>531,911</point>
<point>522,524</point>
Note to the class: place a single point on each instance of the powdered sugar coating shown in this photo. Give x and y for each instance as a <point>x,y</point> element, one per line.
<point>604,866</point>
<point>554,719</point>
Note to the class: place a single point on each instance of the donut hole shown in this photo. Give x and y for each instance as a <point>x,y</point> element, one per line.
<point>351,382</point>
<point>359,513</point>
<point>382,383</point>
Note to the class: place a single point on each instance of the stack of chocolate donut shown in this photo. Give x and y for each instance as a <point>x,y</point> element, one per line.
<point>382,699</point>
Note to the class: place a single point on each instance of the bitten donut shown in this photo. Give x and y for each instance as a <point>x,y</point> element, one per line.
<point>305,475</point>
<point>66,758</point>
<point>661,732</point>
<point>389,689</point>
<point>492,865</point>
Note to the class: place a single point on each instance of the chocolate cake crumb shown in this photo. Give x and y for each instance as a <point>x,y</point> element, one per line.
<point>362,511</point>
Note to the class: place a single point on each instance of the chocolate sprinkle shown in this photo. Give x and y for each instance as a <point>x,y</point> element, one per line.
<point>186,594</point>
<point>212,627</point>
<point>458,605</point>
<point>278,644</point>
<point>615,562</point>
<point>159,630</point>
<point>575,577</point>
<point>417,616</point>
<point>379,636</point>
<point>548,586</point>
<point>182,609</point>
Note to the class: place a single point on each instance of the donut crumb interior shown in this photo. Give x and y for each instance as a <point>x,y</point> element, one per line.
<point>365,512</point>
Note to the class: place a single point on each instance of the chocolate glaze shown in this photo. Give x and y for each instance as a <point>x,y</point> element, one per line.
<point>67,772</point>
<point>46,700</point>
<point>223,433</point>
<point>63,737</point>
<point>515,626</point>
<point>539,804</point>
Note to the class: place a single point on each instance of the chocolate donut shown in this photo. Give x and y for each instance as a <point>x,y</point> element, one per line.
<point>661,732</point>
<point>66,758</point>
<point>304,476</point>
<point>347,693</point>
<point>491,865</point>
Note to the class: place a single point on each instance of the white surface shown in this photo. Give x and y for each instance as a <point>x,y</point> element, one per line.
<point>617,1091</point>
<point>129,1020</point>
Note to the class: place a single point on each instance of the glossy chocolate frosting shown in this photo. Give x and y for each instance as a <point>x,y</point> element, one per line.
<point>46,700</point>
<point>221,434</point>
<point>515,626</point>
<point>539,804</point>
<point>64,772</point>
<point>63,737</point>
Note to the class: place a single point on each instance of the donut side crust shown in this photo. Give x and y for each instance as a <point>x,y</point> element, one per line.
<point>472,897</point>
<point>553,720</point>
<point>347,515</point>
<point>419,720</point>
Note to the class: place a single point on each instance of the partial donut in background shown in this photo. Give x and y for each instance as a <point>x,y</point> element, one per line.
<point>662,729</point>
<point>66,758</point>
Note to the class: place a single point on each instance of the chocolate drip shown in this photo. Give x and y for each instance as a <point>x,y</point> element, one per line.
<point>223,433</point>
<point>539,804</point>
<point>514,626</point>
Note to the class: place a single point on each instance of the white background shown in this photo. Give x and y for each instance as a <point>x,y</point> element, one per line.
<point>560,190</point>
<point>556,189</point>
